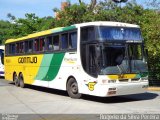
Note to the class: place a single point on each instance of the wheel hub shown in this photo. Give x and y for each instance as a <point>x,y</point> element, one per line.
<point>74,88</point>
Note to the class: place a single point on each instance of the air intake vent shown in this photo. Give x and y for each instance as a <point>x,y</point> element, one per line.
<point>123,80</point>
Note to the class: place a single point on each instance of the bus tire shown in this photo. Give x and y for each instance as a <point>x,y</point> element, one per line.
<point>15,79</point>
<point>21,81</point>
<point>72,88</point>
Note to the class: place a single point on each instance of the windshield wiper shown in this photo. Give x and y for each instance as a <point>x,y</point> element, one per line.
<point>120,70</point>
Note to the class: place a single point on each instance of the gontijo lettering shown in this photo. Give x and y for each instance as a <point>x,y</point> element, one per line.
<point>27,60</point>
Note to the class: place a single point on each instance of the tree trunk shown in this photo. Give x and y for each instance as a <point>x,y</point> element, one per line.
<point>93,4</point>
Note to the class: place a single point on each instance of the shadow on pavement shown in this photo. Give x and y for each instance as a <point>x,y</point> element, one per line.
<point>121,99</point>
<point>115,99</point>
<point>48,90</point>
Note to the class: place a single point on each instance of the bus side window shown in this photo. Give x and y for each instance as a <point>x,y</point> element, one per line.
<point>37,44</point>
<point>9,49</point>
<point>12,49</point>
<point>49,43</point>
<point>56,42</point>
<point>17,48</point>
<point>73,40</point>
<point>42,44</point>
<point>87,34</point>
<point>64,41</point>
<point>30,46</point>
<point>26,46</point>
<point>6,49</point>
<point>21,47</point>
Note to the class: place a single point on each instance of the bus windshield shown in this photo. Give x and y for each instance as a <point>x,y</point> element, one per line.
<point>118,33</point>
<point>112,50</point>
<point>122,59</point>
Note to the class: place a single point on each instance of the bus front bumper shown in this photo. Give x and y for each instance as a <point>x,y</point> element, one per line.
<point>121,89</point>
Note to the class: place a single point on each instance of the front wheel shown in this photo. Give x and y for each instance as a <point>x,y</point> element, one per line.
<point>72,88</point>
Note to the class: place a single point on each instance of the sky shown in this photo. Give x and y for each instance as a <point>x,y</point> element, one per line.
<point>41,8</point>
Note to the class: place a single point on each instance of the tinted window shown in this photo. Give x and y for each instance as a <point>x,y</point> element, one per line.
<point>87,34</point>
<point>21,47</point>
<point>17,47</point>
<point>49,43</point>
<point>42,44</point>
<point>118,33</point>
<point>56,42</point>
<point>12,49</point>
<point>64,40</point>
<point>37,45</point>
<point>73,40</point>
<point>29,46</point>
<point>6,49</point>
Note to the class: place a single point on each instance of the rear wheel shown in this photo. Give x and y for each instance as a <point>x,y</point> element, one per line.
<point>72,88</point>
<point>21,81</point>
<point>15,79</point>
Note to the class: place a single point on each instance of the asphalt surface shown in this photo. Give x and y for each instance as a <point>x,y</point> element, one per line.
<point>38,100</point>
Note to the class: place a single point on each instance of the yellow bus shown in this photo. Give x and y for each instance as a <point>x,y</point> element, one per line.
<point>94,58</point>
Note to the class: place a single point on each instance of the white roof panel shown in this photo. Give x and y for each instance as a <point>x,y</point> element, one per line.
<point>107,23</point>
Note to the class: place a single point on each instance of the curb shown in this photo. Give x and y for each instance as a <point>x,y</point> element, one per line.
<point>154,88</point>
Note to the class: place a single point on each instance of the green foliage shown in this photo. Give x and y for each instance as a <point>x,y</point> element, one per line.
<point>151,32</point>
<point>5,32</point>
<point>71,15</point>
<point>23,26</point>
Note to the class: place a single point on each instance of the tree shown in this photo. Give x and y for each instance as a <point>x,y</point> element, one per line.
<point>80,1</point>
<point>5,30</point>
<point>151,33</point>
<point>10,16</point>
<point>71,15</point>
<point>92,4</point>
<point>24,26</point>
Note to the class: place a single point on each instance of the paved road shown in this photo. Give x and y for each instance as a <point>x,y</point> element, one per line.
<point>38,100</point>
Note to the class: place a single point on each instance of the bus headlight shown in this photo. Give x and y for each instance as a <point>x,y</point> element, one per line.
<point>144,79</point>
<point>111,81</point>
<point>104,81</point>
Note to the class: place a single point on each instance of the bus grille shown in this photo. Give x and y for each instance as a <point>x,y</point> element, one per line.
<point>123,80</point>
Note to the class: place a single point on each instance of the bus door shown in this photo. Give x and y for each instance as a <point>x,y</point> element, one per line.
<point>91,59</point>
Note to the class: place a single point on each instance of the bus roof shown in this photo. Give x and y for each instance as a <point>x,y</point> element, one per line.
<point>42,33</point>
<point>107,23</point>
<point>61,29</point>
